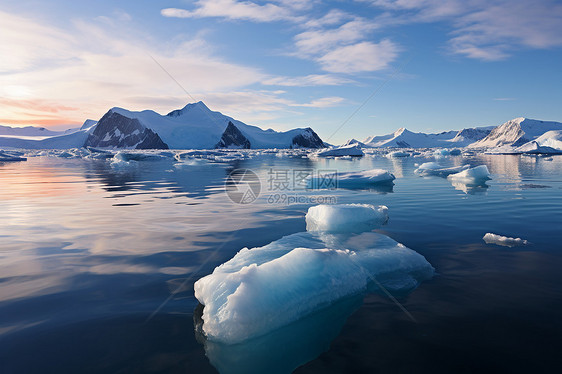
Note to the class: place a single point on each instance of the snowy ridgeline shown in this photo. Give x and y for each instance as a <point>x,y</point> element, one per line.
<point>193,127</point>
<point>517,136</point>
<point>264,288</point>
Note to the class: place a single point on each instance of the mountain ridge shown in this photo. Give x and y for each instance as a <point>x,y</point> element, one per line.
<point>194,126</point>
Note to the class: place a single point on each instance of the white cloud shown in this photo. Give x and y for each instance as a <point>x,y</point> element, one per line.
<point>307,80</point>
<point>324,40</point>
<point>488,30</point>
<point>346,48</point>
<point>67,76</point>
<point>235,10</point>
<point>318,40</point>
<point>360,57</point>
<point>95,65</point>
<point>255,106</point>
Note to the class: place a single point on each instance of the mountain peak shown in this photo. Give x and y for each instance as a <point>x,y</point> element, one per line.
<point>189,107</point>
<point>400,131</point>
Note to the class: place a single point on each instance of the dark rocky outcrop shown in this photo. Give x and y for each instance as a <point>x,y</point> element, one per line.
<point>308,139</point>
<point>117,131</point>
<point>233,138</point>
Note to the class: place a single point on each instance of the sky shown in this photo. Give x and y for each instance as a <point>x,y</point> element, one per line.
<point>348,69</point>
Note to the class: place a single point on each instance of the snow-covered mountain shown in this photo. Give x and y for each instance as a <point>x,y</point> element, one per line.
<point>27,131</point>
<point>403,138</point>
<point>468,136</point>
<point>511,134</point>
<point>516,132</point>
<point>194,126</point>
<point>548,143</point>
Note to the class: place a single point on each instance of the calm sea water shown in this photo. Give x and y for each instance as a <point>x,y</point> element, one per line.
<point>97,266</point>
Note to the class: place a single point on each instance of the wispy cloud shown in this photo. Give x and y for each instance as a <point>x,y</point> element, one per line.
<point>96,65</point>
<point>237,10</point>
<point>308,80</point>
<point>489,30</point>
<point>503,99</point>
<point>272,104</point>
<point>337,40</point>
<point>360,57</point>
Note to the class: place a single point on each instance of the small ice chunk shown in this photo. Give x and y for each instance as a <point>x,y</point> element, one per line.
<point>350,150</point>
<point>345,217</point>
<point>5,156</point>
<point>505,241</point>
<point>455,152</point>
<point>472,175</point>
<point>398,154</point>
<point>428,166</point>
<point>433,168</point>
<point>442,152</point>
<point>352,179</point>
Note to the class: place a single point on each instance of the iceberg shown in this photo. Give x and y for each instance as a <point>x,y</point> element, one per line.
<point>505,241</point>
<point>433,168</point>
<point>352,179</point>
<point>265,288</point>
<point>345,217</point>
<point>398,154</point>
<point>8,157</point>
<point>475,175</point>
<point>548,143</point>
<point>349,150</point>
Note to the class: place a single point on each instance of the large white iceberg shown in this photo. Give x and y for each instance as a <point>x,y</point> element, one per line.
<point>262,289</point>
<point>548,143</point>
<point>345,217</point>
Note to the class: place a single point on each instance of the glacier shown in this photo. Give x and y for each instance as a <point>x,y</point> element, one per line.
<point>262,289</point>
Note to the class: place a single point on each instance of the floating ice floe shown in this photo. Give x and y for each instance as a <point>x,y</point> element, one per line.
<point>475,175</point>
<point>433,168</point>
<point>446,152</point>
<point>505,241</point>
<point>345,217</point>
<point>349,150</point>
<point>262,289</point>
<point>398,154</point>
<point>11,156</point>
<point>352,179</point>
<point>120,159</point>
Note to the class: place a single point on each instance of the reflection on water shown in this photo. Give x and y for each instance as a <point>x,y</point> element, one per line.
<point>470,188</point>
<point>284,349</point>
<point>88,251</point>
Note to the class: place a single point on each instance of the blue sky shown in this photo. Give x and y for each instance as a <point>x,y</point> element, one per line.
<point>427,65</point>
